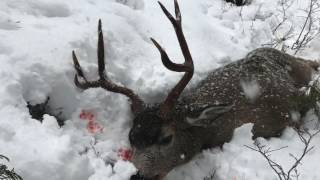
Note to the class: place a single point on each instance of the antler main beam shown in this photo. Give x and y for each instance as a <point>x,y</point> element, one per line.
<point>104,81</point>
<point>186,67</point>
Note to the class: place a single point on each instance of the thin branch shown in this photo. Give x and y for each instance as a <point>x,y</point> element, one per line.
<point>305,137</point>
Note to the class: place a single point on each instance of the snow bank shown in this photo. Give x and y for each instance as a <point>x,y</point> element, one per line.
<point>37,37</point>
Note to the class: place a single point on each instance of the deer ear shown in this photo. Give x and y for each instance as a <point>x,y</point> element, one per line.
<point>208,115</point>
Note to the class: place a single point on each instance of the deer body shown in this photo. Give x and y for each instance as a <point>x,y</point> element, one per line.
<point>257,89</point>
<point>273,73</point>
<point>266,71</point>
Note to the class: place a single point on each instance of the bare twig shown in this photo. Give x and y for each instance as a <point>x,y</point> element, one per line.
<point>279,42</point>
<point>292,173</point>
<point>285,31</point>
<point>210,176</point>
<point>308,31</point>
<point>285,5</point>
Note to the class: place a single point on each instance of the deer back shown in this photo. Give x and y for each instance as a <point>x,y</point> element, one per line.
<point>261,89</point>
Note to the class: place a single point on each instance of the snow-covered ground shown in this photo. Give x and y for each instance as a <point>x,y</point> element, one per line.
<point>36,40</point>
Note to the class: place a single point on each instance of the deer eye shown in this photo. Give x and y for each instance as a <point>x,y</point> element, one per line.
<point>165,140</point>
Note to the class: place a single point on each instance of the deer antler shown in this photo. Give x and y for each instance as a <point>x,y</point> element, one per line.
<point>186,67</point>
<point>104,81</point>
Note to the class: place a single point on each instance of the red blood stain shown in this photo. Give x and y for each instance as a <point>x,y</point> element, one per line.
<point>92,126</point>
<point>125,154</point>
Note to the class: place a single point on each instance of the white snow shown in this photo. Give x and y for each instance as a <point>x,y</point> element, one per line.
<point>251,89</point>
<point>36,40</point>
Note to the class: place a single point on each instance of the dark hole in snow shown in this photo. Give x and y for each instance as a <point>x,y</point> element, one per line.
<point>238,2</point>
<point>38,110</point>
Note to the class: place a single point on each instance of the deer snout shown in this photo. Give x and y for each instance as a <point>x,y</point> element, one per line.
<point>145,164</point>
<point>150,164</point>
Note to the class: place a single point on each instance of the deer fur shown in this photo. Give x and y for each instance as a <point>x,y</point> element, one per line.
<point>257,89</point>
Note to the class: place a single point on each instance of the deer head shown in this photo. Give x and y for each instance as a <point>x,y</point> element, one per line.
<point>159,131</point>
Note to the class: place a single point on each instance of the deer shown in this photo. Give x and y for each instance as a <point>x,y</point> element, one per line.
<point>256,89</point>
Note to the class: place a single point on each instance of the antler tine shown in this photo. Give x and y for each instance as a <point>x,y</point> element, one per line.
<point>186,67</point>
<point>177,11</point>
<point>166,60</point>
<point>77,66</point>
<point>82,85</point>
<point>136,103</point>
<point>100,52</point>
